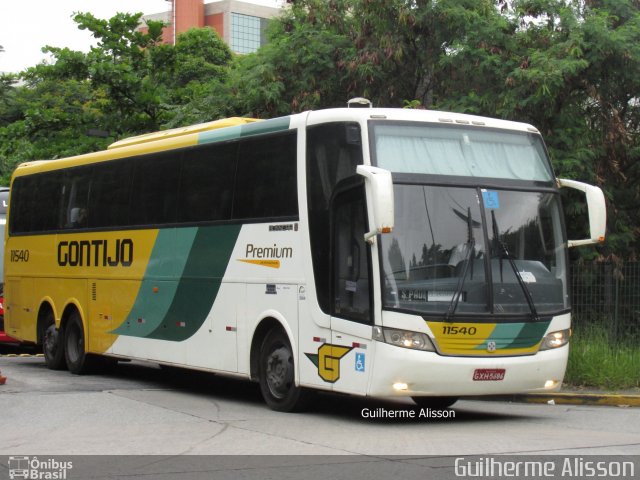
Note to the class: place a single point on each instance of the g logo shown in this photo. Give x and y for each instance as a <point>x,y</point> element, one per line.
<point>328,361</point>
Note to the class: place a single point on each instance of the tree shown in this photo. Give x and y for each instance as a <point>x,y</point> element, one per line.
<point>568,67</point>
<point>303,66</point>
<point>128,84</point>
<point>196,76</point>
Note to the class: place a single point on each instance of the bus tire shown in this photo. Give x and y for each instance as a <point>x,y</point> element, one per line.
<point>434,403</point>
<point>277,374</point>
<point>78,361</point>
<point>53,344</point>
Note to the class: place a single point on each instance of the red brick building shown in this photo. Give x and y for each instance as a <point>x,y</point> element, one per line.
<point>240,24</point>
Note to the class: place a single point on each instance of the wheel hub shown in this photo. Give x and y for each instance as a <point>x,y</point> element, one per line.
<point>51,340</point>
<point>279,372</point>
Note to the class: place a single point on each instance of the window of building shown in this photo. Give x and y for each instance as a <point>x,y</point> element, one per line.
<point>247,32</point>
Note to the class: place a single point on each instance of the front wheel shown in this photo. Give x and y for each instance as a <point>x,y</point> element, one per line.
<point>434,403</point>
<point>78,361</point>
<point>53,344</point>
<point>277,374</point>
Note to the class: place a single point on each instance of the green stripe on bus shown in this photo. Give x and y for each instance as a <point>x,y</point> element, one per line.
<point>246,130</point>
<point>199,283</point>
<point>212,136</point>
<point>530,335</point>
<point>515,335</point>
<point>267,126</point>
<point>168,258</point>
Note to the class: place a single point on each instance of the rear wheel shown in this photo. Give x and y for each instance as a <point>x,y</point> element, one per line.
<point>78,361</point>
<point>277,374</point>
<point>53,344</point>
<point>435,403</point>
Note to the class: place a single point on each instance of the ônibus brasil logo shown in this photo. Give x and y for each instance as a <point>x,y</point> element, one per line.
<point>36,469</point>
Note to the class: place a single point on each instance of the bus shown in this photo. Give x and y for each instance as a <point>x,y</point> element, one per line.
<point>366,251</point>
<point>4,203</point>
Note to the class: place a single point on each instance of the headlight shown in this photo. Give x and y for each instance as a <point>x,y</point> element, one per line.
<point>403,338</point>
<point>556,339</point>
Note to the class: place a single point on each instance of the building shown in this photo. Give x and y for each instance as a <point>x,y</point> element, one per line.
<point>240,24</point>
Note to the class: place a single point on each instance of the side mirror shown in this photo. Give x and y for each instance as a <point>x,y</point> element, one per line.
<point>597,211</point>
<point>379,187</point>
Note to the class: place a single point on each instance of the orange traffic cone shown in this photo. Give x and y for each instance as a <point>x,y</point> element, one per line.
<point>2,379</point>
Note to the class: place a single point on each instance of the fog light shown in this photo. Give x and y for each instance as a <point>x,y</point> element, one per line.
<point>400,386</point>
<point>550,384</point>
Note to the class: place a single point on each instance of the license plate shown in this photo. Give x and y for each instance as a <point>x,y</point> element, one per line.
<point>488,374</point>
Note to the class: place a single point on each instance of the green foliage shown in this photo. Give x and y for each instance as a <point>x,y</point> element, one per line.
<point>595,360</point>
<point>129,83</point>
<point>53,121</point>
<point>569,67</point>
<point>304,65</point>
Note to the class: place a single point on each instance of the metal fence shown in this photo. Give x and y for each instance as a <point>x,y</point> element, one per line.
<point>604,294</point>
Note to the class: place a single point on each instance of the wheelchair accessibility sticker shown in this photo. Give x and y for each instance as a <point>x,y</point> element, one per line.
<point>359,362</point>
<point>490,199</point>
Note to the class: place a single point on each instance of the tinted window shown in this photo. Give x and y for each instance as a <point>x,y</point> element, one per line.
<point>75,199</point>
<point>206,183</point>
<point>110,192</point>
<point>266,178</point>
<point>151,189</point>
<point>333,152</point>
<point>19,219</point>
<point>155,189</point>
<point>35,196</point>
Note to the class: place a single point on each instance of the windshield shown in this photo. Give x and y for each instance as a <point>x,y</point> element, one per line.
<point>456,251</point>
<point>461,151</point>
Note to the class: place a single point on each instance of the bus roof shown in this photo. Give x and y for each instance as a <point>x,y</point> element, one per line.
<point>417,115</point>
<point>180,131</point>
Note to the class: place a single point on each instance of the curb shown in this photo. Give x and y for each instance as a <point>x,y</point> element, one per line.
<point>570,398</point>
<point>21,355</point>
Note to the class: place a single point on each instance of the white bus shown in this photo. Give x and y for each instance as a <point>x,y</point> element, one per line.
<point>374,252</point>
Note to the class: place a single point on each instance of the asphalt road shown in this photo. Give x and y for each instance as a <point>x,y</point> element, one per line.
<point>139,409</point>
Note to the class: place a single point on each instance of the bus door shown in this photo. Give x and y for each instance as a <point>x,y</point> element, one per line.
<point>349,363</point>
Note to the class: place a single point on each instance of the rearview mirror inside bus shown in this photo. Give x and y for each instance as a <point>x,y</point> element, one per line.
<point>597,211</point>
<point>379,186</point>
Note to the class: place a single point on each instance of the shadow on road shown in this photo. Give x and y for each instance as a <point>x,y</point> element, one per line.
<point>135,375</point>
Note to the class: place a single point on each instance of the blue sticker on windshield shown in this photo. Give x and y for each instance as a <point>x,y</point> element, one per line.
<point>490,199</point>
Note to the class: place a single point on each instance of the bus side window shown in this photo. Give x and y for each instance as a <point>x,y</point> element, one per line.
<point>75,198</point>
<point>110,192</point>
<point>351,257</point>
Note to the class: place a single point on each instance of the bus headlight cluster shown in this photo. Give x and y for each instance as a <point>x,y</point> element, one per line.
<point>556,339</point>
<point>403,338</point>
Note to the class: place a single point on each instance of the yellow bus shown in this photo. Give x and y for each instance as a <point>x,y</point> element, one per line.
<point>366,251</point>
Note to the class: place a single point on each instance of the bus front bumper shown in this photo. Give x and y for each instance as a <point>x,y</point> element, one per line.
<point>403,372</point>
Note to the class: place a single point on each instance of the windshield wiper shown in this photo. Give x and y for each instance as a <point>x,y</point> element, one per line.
<point>505,254</point>
<point>471,244</point>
